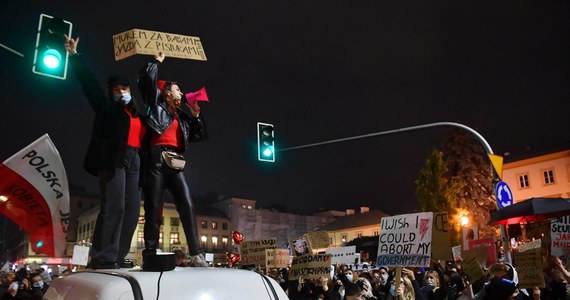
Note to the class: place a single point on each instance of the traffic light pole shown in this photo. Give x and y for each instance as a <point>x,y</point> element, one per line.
<point>479,137</point>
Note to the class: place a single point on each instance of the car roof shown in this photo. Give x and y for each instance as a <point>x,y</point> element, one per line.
<point>180,283</point>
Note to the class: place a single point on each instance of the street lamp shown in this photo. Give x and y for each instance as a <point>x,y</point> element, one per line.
<point>464,221</point>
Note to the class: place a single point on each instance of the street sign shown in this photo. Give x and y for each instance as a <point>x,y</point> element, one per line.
<point>504,194</point>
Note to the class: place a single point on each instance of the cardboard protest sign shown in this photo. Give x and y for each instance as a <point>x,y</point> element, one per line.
<point>310,266</point>
<point>405,240</point>
<point>529,265</point>
<point>489,245</point>
<point>317,240</point>
<point>140,41</point>
<point>441,244</point>
<point>277,258</point>
<point>471,268</point>
<point>253,252</point>
<point>343,255</point>
<point>560,236</point>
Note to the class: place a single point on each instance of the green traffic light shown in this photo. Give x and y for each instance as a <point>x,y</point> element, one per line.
<point>267,152</point>
<point>51,58</point>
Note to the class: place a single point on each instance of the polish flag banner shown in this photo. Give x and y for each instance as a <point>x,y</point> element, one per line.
<point>34,195</point>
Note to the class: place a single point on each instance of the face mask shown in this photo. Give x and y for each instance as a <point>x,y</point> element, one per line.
<point>393,291</point>
<point>431,282</point>
<point>384,277</point>
<point>349,277</point>
<point>38,284</point>
<point>125,98</point>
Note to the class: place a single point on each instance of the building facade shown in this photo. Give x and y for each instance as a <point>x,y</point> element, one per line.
<point>538,174</point>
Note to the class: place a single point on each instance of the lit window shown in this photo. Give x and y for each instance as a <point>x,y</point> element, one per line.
<point>160,240</point>
<point>359,234</point>
<point>215,241</point>
<point>204,240</point>
<point>548,177</point>
<point>174,221</point>
<point>523,181</point>
<point>249,207</point>
<point>174,238</point>
<point>204,224</point>
<point>225,241</point>
<point>141,219</point>
<point>214,225</point>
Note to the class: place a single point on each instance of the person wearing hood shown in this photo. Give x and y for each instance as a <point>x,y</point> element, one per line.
<point>112,156</point>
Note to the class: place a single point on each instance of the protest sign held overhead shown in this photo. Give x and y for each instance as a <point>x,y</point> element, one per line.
<point>140,41</point>
<point>253,252</point>
<point>343,255</point>
<point>310,266</point>
<point>441,244</point>
<point>560,236</point>
<point>317,240</point>
<point>529,265</point>
<point>34,194</point>
<point>405,240</point>
<point>277,258</point>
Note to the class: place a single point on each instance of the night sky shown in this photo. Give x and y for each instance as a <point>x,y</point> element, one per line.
<point>318,70</point>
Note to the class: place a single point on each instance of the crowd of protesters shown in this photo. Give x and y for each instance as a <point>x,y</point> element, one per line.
<point>24,284</point>
<point>445,281</point>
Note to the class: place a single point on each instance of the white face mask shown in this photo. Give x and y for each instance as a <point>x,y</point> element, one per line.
<point>38,284</point>
<point>431,282</point>
<point>349,277</point>
<point>124,98</point>
<point>384,277</point>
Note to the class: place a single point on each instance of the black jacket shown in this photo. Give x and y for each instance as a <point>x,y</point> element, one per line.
<point>111,125</point>
<point>158,118</point>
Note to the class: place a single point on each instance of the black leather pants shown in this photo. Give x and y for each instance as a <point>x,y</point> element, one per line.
<point>158,178</point>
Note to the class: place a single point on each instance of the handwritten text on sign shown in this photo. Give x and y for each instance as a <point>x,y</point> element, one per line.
<point>560,236</point>
<point>139,41</point>
<point>253,252</point>
<point>405,240</point>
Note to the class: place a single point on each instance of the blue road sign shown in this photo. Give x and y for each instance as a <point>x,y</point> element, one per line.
<point>504,194</point>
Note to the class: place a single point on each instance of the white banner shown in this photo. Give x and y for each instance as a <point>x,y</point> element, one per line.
<point>34,194</point>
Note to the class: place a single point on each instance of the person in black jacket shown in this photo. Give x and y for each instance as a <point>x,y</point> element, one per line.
<point>173,123</point>
<point>112,156</point>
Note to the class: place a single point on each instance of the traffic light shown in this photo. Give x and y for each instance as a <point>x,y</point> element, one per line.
<point>50,57</point>
<point>265,142</point>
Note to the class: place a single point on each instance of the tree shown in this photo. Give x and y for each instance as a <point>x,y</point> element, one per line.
<point>437,193</point>
<point>466,163</point>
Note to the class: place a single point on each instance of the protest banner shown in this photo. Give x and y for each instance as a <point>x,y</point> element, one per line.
<point>441,244</point>
<point>529,265</point>
<point>489,245</point>
<point>35,195</point>
<point>405,240</point>
<point>253,252</point>
<point>343,255</point>
<point>140,41</point>
<point>317,240</point>
<point>560,236</point>
<point>471,267</point>
<point>310,266</point>
<point>277,258</point>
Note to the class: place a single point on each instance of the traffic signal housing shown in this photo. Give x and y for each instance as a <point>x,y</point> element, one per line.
<point>265,142</point>
<point>50,56</point>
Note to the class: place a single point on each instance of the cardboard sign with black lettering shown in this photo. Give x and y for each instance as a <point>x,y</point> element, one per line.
<point>277,258</point>
<point>253,252</point>
<point>310,266</point>
<point>441,244</point>
<point>405,240</point>
<point>140,41</point>
<point>317,240</point>
<point>529,265</point>
<point>560,236</point>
